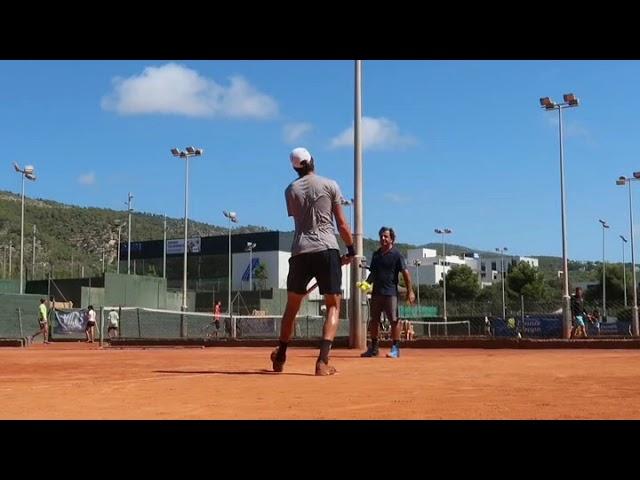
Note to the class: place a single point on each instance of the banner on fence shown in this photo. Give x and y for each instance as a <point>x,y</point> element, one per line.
<point>70,322</point>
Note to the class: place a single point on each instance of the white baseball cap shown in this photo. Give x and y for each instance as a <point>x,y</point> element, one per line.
<point>299,155</point>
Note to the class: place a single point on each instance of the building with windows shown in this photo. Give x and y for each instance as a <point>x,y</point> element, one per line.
<point>208,261</point>
<point>491,266</point>
<point>433,267</point>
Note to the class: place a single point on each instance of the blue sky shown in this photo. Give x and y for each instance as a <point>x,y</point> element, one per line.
<point>458,144</point>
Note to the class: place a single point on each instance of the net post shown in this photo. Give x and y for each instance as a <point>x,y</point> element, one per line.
<point>233,326</point>
<point>101,326</point>
<point>20,321</point>
<point>183,323</point>
<point>139,328</point>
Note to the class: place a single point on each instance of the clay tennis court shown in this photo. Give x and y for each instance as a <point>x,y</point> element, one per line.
<point>80,381</point>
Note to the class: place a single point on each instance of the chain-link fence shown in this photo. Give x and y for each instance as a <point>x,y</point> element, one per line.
<point>525,319</point>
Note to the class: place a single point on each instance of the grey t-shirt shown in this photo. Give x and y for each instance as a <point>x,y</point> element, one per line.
<point>310,201</point>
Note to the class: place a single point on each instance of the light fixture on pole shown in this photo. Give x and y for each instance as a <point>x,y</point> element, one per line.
<point>443,232</point>
<point>4,261</point>
<point>5,251</point>
<point>417,263</point>
<point>164,248</point>
<point>26,172</point>
<point>570,100</point>
<point>129,209</point>
<point>502,278</point>
<point>348,203</point>
<point>118,224</point>
<point>33,255</point>
<point>624,271</point>
<point>250,247</point>
<point>185,154</point>
<point>232,218</point>
<point>605,225</point>
<point>634,308</point>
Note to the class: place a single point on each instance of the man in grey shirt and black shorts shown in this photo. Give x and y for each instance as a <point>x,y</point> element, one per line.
<point>313,202</point>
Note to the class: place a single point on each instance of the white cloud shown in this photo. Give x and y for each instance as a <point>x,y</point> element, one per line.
<point>578,130</point>
<point>87,178</point>
<point>175,89</point>
<point>377,134</point>
<point>395,198</point>
<point>571,128</point>
<point>293,132</point>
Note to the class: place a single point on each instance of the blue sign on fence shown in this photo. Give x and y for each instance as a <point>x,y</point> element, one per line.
<point>541,327</point>
<point>551,327</point>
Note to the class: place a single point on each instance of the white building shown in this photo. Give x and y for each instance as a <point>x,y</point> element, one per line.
<point>273,251</point>
<point>432,266</point>
<point>491,267</point>
<point>277,264</point>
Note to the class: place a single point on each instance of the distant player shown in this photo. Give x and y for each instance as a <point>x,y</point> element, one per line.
<point>579,315</point>
<point>89,330</point>
<point>217,312</point>
<point>114,319</point>
<point>43,322</point>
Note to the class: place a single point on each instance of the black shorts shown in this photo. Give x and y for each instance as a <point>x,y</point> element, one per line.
<point>217,324</point>
<point>384,303</point>
<point>324,266</point>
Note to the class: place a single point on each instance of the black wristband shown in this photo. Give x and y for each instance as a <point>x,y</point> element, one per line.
<point>351,251</point>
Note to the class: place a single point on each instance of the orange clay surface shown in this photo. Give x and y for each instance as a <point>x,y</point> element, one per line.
<point>81,381</point>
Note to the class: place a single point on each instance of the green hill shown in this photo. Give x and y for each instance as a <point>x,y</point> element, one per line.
<point>66,231</point>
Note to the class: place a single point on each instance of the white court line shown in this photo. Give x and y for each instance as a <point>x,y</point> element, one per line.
<point>160,376</point>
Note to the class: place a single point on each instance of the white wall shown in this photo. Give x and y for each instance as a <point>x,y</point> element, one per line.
<point>419,254</point>
<point>493,275</point>
<point>283,268</point>
<point>275,263</point>
<point>473,264</point>
<point>346,284</point>
<point>429,274</point>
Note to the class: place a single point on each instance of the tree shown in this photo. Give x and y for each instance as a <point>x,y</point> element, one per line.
<point>526,280</point>
<point>491,298</point>
<point>430,293</point>
<point>261,275</point>
<point>615,285</point>
<point>462,283</point>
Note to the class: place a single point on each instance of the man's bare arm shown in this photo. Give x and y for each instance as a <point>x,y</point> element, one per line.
<point>411,297</point>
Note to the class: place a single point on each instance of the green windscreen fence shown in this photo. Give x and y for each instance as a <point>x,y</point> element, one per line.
<point>142,291</point>
<point>18,315</point>
<point>9,286</point>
